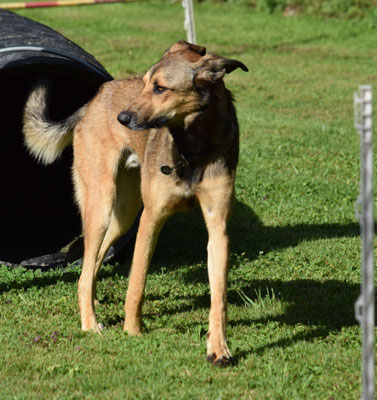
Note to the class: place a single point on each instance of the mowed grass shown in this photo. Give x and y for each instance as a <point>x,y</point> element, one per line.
<point>295,261</point>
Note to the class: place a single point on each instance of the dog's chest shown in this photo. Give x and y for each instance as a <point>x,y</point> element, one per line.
<point>173,175</point>
<point>165,166</point>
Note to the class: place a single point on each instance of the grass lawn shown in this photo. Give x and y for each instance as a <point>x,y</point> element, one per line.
<point>295,261</point>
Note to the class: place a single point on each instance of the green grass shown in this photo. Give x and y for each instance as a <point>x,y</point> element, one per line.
<point>332,8</point>
<point>295,263</point>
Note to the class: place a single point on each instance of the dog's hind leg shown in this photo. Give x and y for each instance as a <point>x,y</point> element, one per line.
<point>96,220</point>
<point>126,206</point>
<point>216,202</point>
<point>107,213</point>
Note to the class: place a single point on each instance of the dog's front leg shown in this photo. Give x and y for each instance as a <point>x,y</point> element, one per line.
<point>149,229</point>
<point>216,206</point>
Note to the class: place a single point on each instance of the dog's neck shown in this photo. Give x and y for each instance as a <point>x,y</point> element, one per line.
<point>202,132</point>
<point>190,142</point>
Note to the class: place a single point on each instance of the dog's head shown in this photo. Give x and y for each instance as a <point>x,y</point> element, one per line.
<point>175,87</point>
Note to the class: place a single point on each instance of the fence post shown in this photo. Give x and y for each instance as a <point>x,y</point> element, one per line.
<point>189,20</point>
<point>364,307</point>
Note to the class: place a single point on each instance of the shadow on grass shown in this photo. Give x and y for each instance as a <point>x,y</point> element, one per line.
<point>323,307</point>
<point>319,308</point>
<point>183,241</point>
<point>328,305</point>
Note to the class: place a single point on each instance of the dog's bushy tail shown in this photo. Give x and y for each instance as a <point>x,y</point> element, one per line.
<point>44,138</point>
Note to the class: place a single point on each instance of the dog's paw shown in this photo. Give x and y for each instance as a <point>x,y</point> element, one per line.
<point>93,327</point>
<point>222,361</point>
<point>133,327</point>
<point>133,331</point>
<point>218,352</point>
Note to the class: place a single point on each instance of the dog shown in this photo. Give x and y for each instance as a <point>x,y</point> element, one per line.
<point>166,141</point>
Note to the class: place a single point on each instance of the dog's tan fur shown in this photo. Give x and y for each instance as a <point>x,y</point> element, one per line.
<point>182,119</point>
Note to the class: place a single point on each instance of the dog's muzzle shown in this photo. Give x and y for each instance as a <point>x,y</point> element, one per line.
<point>125,118</point>
<point>131,121</point>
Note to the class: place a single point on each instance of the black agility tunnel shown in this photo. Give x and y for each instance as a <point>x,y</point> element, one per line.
<point>40,224</point>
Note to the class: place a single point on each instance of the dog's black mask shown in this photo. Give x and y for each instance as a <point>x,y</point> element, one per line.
<point>131,121</point>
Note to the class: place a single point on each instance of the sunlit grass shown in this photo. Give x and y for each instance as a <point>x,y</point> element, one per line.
<point>295,265</point>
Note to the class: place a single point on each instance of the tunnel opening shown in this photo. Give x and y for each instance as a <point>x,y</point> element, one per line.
<point>38,214</point>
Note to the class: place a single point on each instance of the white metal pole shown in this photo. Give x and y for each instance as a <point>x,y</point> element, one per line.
<point>189,20</point>
<point>365,304</point>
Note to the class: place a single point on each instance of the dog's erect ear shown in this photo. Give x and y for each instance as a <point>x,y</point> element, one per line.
<point>214,68</point>
<point>183,45</point>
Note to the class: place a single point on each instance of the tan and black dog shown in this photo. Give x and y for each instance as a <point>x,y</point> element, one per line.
<point>168,140</point>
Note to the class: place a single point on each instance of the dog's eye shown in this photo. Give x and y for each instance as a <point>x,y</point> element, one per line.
<point>157,89</point>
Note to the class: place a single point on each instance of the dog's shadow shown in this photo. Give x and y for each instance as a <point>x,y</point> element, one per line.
<point>319,308</point>
<point>323,307</point>
<point>184,238</point>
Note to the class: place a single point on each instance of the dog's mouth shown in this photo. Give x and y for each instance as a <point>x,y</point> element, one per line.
<point>131,121</point>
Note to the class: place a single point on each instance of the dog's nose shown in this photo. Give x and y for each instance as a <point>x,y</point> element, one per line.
<point>125,118</point>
